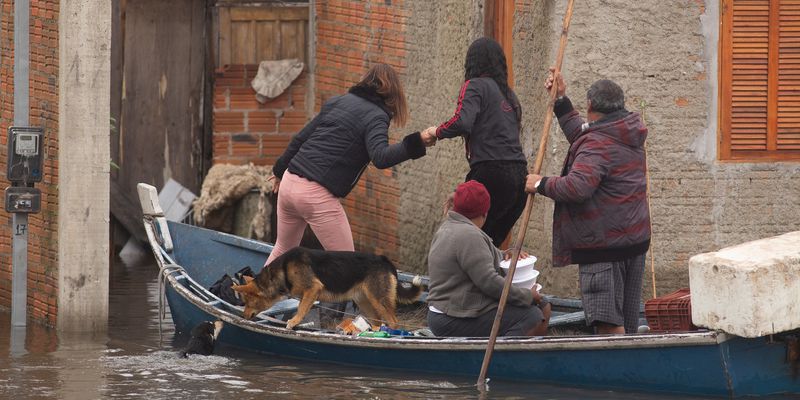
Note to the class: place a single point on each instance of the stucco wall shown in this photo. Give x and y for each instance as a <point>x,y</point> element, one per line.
<point>438,36</point>
<point>665,58</point>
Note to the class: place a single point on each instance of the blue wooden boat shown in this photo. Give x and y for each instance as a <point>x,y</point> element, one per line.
<point>698,363</point>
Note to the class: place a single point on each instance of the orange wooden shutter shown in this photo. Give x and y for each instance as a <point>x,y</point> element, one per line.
<point>745,60</point>
<point>788,129</point>
<point>760,80</point>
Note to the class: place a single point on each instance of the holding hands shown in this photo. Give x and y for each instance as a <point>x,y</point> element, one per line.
<point>429,136</point>
<point>558,79</point>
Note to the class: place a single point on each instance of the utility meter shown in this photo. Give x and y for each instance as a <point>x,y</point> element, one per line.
<point>24,154</point>
<point>23,199</point>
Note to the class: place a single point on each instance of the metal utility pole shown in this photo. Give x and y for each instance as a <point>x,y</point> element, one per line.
<point>19,272</point>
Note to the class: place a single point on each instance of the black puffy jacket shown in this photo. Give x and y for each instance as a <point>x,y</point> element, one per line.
<point>350,131</point>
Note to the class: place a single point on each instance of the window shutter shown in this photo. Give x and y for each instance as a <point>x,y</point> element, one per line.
<point>746,64</point>
<point>760,80</point>
<point>788,129</point>
<point>249,35</point>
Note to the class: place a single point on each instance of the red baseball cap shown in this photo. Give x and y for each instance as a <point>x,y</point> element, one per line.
<point>471,199</point>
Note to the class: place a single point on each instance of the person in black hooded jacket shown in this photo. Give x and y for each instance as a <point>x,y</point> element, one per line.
<point>488,117</point>
<point>325,160</point>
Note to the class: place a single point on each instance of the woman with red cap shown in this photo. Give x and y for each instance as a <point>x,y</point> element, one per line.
<point>466,280</point>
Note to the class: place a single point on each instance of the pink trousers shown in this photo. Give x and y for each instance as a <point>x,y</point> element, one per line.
<point>302,202</point>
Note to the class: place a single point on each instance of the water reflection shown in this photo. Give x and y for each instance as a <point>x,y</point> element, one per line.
<point>131,362</point>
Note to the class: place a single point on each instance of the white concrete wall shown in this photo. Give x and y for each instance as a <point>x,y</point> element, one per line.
<point>84,164</point>
<point>749,290</point>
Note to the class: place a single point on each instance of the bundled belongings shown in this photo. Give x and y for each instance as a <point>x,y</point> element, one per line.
<point>222,189</point>
<point>222,287</point>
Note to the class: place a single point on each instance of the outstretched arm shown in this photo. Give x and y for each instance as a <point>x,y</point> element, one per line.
<point>585,175</point>
<point>385,155</point>
<point>469,105</point>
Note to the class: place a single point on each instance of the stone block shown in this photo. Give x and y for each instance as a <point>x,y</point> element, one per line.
<point>749,290</point>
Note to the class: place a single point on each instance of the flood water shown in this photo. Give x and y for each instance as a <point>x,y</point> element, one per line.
<point>134,361</point>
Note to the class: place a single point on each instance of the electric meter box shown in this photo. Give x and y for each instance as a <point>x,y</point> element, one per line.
<point>23,199</point>
<point>25,154</point>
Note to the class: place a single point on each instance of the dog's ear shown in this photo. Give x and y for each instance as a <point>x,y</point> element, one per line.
<point>248,288</point>
<point>248,279</point>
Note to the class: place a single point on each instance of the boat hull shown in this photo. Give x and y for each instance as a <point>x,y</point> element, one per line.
<point>701,363</point>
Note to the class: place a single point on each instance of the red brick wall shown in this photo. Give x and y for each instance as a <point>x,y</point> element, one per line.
<point>245,130</point>
<point>43,236</point>
<point>351,36</point>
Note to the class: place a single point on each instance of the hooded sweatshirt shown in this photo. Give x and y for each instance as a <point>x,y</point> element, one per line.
<point>601,212</point>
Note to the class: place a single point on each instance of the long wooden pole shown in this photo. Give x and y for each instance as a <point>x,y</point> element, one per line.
<point>537,167</point>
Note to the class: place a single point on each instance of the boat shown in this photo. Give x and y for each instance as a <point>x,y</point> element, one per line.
<point>706,363</point>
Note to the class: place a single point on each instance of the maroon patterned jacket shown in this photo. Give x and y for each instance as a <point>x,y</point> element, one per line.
<point>601,212</point>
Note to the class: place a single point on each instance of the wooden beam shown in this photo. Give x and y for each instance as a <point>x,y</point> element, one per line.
<point>499,25</point>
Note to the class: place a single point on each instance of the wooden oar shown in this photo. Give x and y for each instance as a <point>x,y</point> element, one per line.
<point>537,167</point>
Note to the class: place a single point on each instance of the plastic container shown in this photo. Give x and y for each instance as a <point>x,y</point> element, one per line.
<point>395,332</point>
<point>524,276</point>
<point>378,334</point>
<point>670,313</point>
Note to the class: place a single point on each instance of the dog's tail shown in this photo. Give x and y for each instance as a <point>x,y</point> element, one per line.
<point>407,294</point>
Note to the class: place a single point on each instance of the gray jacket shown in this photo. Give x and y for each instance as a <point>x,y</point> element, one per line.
<point>464,271</point>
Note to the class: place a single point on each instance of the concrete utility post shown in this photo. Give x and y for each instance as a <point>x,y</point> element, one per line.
<point>84,164</point>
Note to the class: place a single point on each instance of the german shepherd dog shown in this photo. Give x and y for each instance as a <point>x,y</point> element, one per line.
<point>368,280</point>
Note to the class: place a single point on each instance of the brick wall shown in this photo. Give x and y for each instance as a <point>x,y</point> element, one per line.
<point>351,36</point>
<point>43,246</point>
<point>245,130</point>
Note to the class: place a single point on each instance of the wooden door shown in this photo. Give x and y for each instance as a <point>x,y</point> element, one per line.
<point>159,88</point>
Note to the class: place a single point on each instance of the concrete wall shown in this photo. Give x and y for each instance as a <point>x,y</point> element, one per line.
<point>84,107</point>
<point>439,34</point>
<point>664,57</point>
<point>42,285</point>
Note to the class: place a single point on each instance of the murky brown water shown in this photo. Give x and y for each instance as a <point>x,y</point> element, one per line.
<point>132,361</point>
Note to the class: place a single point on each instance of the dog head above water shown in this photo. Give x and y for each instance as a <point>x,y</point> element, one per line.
<point>204,336</point>
<point>255,300</point>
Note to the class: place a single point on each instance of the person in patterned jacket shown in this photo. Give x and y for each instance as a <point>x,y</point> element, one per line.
<point>601,219</point>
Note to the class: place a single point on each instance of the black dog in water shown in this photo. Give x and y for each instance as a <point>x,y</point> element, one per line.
<point>203,338</point>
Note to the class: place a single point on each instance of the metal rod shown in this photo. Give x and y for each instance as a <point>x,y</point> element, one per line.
<point>19,270</point>
<point>537,167</point>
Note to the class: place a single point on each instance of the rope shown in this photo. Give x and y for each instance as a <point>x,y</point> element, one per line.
<point>163,272</point>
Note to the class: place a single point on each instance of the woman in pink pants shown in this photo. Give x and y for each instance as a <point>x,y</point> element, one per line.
<point>327,157</point>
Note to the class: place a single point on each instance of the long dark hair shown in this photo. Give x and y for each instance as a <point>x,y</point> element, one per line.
<point>485,58</point>
<point>384,80</point>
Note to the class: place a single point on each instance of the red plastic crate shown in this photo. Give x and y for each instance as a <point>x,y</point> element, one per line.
<point>670,313</point>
